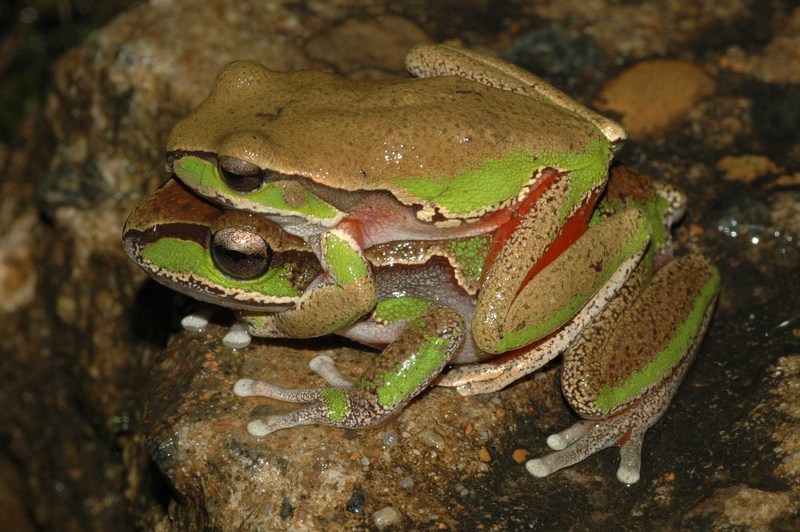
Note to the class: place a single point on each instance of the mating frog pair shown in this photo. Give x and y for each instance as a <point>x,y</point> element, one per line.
<point>450,219</point>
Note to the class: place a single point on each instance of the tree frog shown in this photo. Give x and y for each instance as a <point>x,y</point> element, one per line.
<point>471,145</point>
<point>620,369</point>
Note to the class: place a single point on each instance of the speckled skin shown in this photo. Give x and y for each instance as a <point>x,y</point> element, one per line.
<point>542,285</point>
<point>587,368</point>
<point>364,135</point>
<point>637,318</point>
<point>640,320</point>
<point>426,61</point>
<point>447,156</point>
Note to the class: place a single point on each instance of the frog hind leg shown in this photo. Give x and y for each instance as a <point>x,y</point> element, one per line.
<point>551,309</point>
<point>655,339</point>
<point>427,60</point>
<point>404,369</point>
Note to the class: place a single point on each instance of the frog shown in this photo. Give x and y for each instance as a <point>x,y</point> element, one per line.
<point>470,145</point>
<point>619,372</point>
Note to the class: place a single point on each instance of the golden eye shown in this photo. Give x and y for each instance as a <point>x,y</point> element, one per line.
<point>240,255</point>
<point>239,175</point>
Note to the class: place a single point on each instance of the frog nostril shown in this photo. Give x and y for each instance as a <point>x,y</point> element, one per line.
<point>239,175</point>
<point>240,255</point>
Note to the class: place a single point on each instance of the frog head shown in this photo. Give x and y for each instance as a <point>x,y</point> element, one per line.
<point>229,258</point>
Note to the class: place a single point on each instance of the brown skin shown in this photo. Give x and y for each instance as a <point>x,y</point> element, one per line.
<point>344,133</point>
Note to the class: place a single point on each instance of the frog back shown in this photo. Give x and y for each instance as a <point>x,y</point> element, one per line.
<point>447,143</point>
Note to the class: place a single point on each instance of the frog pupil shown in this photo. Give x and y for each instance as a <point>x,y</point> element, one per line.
<point>240,255</point>
<point>240,175</point>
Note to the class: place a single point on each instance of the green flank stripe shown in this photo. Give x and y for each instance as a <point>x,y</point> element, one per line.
<point>495,181</point>
<point>501,178</point>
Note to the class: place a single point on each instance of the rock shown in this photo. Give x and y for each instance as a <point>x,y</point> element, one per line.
<point>225,478</point>
<point>653,95</point>
<point>386,517</point>
<point>345,48</point>
<point>746,168</point>
<point>778,61</point>
<point>747,507</point>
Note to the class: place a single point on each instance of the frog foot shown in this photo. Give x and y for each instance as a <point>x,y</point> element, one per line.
<point>625,429</point>
<point>317,413</point>
<point>406,367</point>
<point>322,365</point>
<point>585,438</point>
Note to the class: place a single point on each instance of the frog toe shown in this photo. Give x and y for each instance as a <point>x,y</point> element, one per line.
<point>259,428</point>
<point>577,443</point>
<point>312,415</point>
<point>627,472</point>
<point>630,454</point>
<point>325,367</point>
<point>237,336</point>
<point>244,388</point>
<point>587,437</point>
<point>561,440</point>
<point>255,388</point>
<point>197,321</point>
<point>538,467</point>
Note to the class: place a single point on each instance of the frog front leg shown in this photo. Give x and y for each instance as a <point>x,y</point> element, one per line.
<point>430,335</point>
<point>622,372</point>
<point>335,300</point>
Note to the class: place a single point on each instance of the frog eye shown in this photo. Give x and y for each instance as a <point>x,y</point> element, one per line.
<point>239,254</point>
<point>240,175</point>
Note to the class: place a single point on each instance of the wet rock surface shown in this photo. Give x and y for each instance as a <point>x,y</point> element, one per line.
<point>83,333</point>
